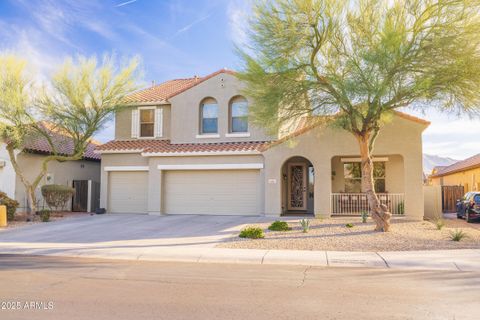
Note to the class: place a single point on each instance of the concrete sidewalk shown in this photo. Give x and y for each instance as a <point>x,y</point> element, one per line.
<point>453,260</point>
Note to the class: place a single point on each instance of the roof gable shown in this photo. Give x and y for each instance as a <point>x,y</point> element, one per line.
<point>166,90</point>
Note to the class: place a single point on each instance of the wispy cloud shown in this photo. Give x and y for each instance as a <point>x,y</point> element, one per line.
<point>190,25</point>
<point>125,3</point>
<point>238,12</point>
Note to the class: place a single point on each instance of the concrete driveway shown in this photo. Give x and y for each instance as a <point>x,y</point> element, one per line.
<point>177,230</point>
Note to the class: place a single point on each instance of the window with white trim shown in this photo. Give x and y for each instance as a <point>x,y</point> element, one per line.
<point>209,116</point>
<point>238,115</point>
<point>147,123</point>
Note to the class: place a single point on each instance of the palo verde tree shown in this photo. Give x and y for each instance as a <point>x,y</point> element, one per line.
<point>355,62</point>
<point>76,103</point>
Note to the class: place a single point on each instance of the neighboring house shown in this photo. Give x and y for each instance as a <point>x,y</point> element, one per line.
<point>186,146</point>
<point>464,173</point>
<point>7,173</point>
<point>30,160</point>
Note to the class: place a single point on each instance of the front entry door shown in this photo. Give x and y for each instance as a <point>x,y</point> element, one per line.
<point>297,186</point>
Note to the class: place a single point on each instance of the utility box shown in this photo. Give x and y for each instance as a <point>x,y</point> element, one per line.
<point>3,216</point>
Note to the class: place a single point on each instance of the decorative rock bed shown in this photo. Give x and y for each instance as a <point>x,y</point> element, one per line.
<point>332,234</point>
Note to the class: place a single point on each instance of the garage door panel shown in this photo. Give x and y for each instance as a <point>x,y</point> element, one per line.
<point>222,192</point>
<point>128,192</point>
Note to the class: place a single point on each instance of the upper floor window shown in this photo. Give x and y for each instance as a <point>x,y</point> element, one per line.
<point>147,122</point>
<point>238,115</point>
<point>209,116</point>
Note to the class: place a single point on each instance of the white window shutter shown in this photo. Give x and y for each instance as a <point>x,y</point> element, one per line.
<point>159,122</point>
<point>135,123</point>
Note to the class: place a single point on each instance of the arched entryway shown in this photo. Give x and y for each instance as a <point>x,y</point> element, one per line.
<point>298,178</point>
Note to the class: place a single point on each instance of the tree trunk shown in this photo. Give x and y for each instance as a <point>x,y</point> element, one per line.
<point>378,212</point>
<point>32,201</point>
<point>29,187</point>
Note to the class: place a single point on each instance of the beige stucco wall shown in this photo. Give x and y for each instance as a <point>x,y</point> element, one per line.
<point>181,118</point>
<point>432,202</point>
<point>185,114</point>
<point>469,179</point>
<point>123,122</point>
<point>401,137</point>
<point>61,172</point>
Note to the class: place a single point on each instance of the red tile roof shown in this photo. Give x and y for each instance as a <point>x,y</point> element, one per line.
<point>469,163</point>
<point>169,89</point>
<point>165,147</point>
<point>63,144</point>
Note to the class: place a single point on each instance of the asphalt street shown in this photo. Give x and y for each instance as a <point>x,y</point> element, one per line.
<point>33,287</point>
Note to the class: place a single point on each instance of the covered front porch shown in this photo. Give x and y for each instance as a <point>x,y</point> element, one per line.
<point>347,197</point>
<point>300,180</point>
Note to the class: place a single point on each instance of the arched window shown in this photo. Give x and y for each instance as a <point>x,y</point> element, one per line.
<point>238,115</point>
<point>209,116</point>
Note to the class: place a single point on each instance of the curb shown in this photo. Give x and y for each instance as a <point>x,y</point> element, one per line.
<point>448,260</point>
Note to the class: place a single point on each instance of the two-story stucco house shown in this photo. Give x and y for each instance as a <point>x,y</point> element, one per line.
<point>186,146</point>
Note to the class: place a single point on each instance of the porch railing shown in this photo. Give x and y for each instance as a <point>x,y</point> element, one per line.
<point>355,203</point>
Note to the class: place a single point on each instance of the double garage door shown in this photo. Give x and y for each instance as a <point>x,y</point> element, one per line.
<point>216,192</point>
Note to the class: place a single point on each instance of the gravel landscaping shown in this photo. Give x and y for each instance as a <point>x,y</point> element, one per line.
<point>332,234</point>
<point>20,218</point>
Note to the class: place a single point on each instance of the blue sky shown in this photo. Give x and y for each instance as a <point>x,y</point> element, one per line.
<point>175,39</point>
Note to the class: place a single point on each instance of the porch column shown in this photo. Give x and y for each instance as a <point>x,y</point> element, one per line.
<point>273,187</point>
<point>154,189</point>
<point>322,187</point>
<point>103,188</point>
<point>414,204</point>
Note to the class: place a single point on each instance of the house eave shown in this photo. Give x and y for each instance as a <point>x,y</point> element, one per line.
<point>455,171</point>
<point>118,151</point>
<point>196,154</point>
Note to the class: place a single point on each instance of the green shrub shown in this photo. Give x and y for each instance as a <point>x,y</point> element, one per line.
<point>305,223</point>
<point>279,226</point>
<point>11,205</point>
<point>349,225</point>
<point>364,216</point>
<point>45,215</point>
<point>439,223</point>
<point>457,235</point>
<point>252,233</point>
<point>56,196</point>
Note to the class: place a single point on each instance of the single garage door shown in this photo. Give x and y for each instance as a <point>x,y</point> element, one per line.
<point>128,192</point>
<point>220,192</point>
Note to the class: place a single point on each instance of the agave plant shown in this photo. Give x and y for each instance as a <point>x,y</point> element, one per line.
<point>305,223</point>
<point>457,235</point>
<point>364,216</point>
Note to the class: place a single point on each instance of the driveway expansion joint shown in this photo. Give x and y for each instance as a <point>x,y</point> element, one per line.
<point>385,261</point>
<point>304,276</point>
<point>263,258</point>
<point>456,265</point>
